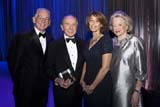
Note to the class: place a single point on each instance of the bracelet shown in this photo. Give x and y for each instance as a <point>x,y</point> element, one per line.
<point>138,91</point>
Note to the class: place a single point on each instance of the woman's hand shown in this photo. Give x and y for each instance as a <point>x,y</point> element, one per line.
<point>135,99</point>
<point>89,89</point>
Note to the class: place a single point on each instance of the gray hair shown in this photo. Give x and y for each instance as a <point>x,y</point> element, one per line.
<point>125,17</point>
<point>41,9</point>
<point>69,15</point>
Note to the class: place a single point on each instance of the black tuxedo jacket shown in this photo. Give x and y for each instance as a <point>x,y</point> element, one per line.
<point>26,64</point>
<point>58,60</point>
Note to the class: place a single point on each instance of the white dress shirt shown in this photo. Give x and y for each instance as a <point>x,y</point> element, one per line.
<point>72,51</point>
<point>42,40</point>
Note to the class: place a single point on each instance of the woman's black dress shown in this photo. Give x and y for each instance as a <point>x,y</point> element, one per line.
<point>101,97</point>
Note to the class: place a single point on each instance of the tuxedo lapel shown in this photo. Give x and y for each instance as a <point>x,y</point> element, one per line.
<point>68,61</point>
<point>65,53</point>
<point>35,42</point>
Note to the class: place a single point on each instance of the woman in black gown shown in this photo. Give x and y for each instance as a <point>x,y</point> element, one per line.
<point>96,79</point>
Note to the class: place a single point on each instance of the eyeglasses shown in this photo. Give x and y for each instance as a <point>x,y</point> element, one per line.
<point>43,19</point>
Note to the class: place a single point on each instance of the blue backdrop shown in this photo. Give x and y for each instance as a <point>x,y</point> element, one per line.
<point>16,16</point>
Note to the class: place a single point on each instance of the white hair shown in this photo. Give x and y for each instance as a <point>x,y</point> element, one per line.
<point>41,9</point>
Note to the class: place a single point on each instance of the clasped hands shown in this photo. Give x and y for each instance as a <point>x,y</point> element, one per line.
<point>64,83</point>
<point>87,88</point>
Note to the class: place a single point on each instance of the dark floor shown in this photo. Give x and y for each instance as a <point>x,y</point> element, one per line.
<point>6,97</point>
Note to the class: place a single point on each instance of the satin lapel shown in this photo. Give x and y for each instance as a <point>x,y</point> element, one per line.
<point>36,43</point>
<point>66,54</point>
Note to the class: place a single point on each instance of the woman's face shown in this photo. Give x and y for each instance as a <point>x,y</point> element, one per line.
<point>94,24</point>
<point>119,26</point>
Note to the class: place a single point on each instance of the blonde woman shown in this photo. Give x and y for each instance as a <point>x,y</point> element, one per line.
<point>128,65</point>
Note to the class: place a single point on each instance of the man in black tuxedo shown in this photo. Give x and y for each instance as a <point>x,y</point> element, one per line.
<point>26,60</point>
<point>65,62</point>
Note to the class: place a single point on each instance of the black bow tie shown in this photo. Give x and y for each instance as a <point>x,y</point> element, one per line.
<point>43,35</point>
<point>71,39</point>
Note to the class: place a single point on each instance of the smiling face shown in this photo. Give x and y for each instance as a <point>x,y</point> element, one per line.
<point>94,24</point>
<point>119,27</point>
<point>69,25</point>
<point>41,20</point>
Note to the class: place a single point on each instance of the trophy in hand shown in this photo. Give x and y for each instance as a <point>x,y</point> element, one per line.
<point>66,74</point>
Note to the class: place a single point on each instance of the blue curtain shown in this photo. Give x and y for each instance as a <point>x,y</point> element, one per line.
<point>16,16</point>
<point>2,32</point>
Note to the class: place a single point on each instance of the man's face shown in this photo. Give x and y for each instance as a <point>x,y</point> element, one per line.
<point>69,26</point>
<point>42,20</point>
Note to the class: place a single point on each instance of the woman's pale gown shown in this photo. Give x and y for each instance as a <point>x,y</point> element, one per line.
<point>127,66</point>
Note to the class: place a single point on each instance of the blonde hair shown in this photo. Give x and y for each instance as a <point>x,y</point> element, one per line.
<point>125,17</point>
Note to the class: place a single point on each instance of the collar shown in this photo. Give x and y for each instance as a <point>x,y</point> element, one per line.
<point>37,31</point>
<point>123,41</point>
<point>65,36</point>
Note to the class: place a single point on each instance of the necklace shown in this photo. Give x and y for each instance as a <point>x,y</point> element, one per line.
<point>94,41</point>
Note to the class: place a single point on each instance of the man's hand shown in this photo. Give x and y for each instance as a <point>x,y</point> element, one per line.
<point>59,81</point>
<point>64,83</point>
